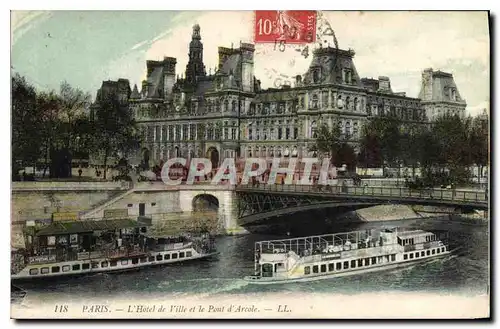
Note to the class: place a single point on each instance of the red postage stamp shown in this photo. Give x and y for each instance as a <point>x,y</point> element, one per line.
<point>290,26</point>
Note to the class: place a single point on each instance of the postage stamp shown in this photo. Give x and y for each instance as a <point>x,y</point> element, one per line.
<point>290,167</point>
<point>286,26</point>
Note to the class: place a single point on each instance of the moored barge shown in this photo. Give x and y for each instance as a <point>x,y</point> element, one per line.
<point>66,248</point>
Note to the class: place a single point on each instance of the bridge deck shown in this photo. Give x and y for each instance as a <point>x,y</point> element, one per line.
<point>459,196</point>
<point>258,202</point>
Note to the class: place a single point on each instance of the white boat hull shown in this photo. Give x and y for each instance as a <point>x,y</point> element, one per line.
<point>342,273</point>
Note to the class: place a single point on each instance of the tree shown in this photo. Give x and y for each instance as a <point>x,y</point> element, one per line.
<point>479,144</point>
<point>26,125</point>
<point>74,104</point>
<point>330,142</point>
<point>114,126</point>
<point>48,104</point>
<point>346,156</point>
<point>451,134</point>
<point>380,141</point>
<point>327,140</point>
<point>412,145</point>
<point>370,155</point>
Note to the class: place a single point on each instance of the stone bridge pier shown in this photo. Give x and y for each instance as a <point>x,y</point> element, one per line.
<point>224,201</point>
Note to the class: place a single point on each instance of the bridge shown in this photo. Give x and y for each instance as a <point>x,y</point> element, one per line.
<point>260,201</point>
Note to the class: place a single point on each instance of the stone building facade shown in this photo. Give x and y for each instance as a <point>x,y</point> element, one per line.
<point>226,113</point>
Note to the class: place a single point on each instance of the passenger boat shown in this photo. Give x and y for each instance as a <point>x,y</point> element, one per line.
<point>334,255</point>
<point>66,248</point>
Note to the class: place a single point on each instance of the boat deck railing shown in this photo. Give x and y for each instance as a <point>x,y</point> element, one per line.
<point>319,243</point>
<point>328,243</point>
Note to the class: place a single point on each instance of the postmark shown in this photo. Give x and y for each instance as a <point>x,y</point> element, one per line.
<point>285,26</point>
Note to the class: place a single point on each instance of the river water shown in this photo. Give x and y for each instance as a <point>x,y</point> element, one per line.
<point>465,274</point>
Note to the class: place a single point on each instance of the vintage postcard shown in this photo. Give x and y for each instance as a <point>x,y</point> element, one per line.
<point>276,164</point>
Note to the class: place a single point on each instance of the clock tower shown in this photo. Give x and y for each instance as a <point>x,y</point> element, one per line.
<point>195,67</point>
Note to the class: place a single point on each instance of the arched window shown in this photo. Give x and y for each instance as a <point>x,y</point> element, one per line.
<point>264,110</point>
<point>263,151</point>
<point>217,105</point>
<point>348,129</point>
<point>355,130</point>
<point>314,103</point>
<point>234,105</point>
<point>348,103</point>
<point>210,132</point>
<point>340,102</point>
<point>313,132</point>
<point>287,152</point>
<point>295,153</point>
<point>356,104</point>
<point>250,131</point>
<point>381,109</point>
<point>251,110</point>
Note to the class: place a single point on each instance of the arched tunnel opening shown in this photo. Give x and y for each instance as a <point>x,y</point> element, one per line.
<point>205,214</point>
<point>205,202</point>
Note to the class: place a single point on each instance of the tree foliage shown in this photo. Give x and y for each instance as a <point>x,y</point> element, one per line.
<point>330,142</point>
<point>50,124</point>
<point>26,124</point>
<point>115,128</point>
<point>444,149</point>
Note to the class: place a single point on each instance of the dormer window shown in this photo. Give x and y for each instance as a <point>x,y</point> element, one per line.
<point>453,94</point>
<point>315,75</point>
<point>347,76</point>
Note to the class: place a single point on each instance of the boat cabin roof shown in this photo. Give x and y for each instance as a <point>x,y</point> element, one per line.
<point>83,226</point>
<point>413,233</point>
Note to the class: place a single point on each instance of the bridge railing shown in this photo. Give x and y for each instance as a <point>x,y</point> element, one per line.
<point>396,192</point>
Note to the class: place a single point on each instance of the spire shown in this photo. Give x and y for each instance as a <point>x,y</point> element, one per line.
<point>135,93</point>
<point>195,67</point>
<point>196,32</point>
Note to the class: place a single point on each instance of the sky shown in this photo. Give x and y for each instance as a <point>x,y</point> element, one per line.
<point>87,47</point>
